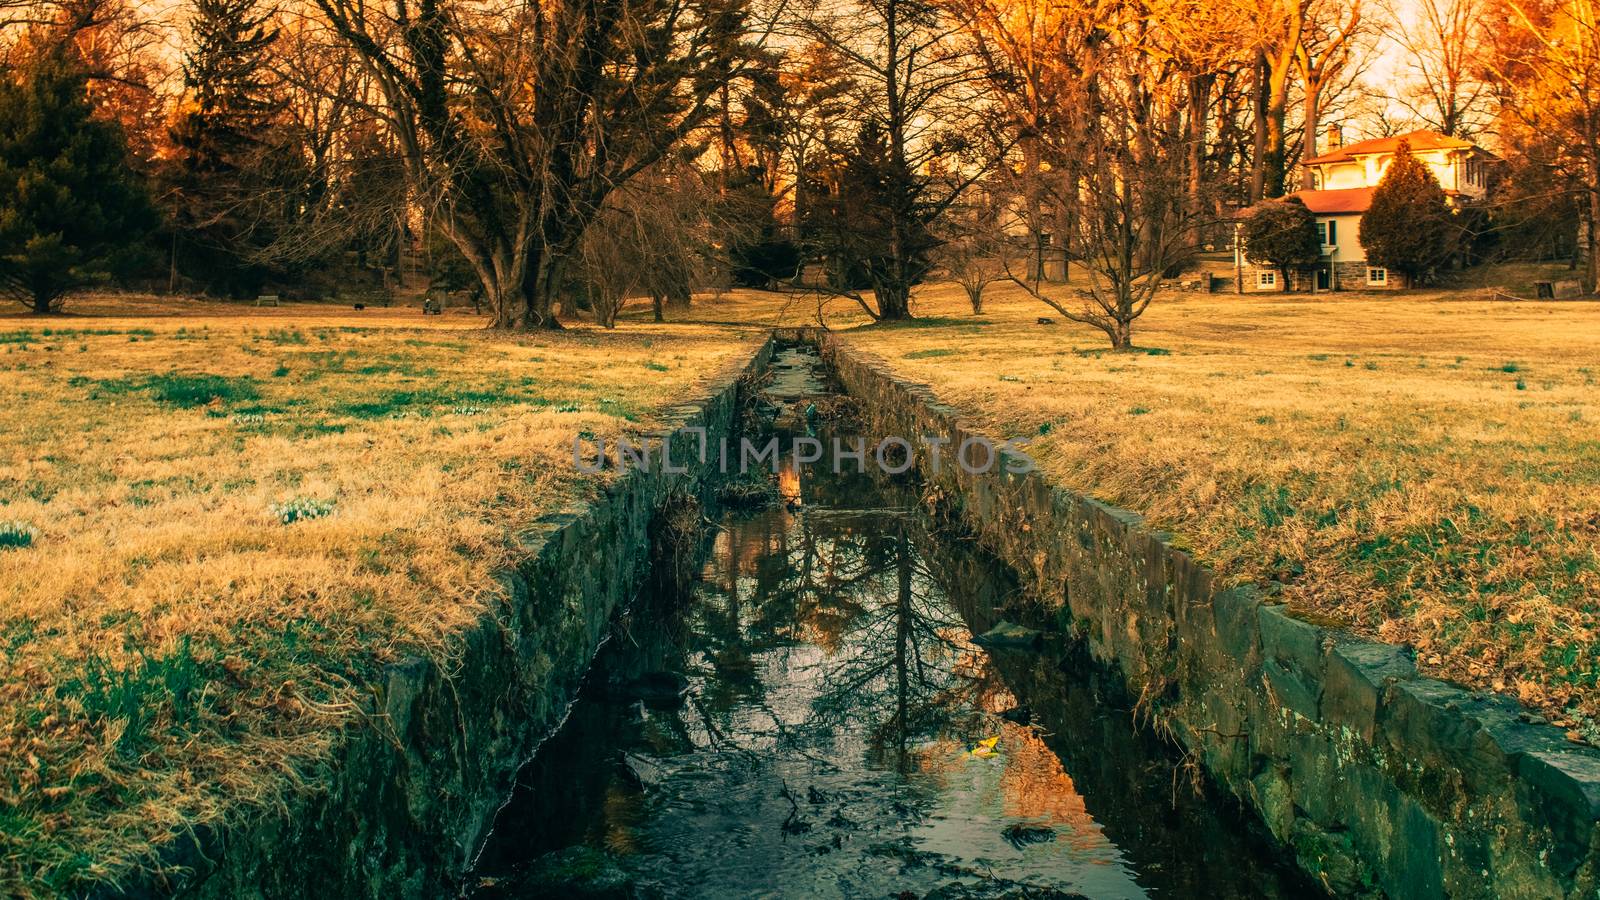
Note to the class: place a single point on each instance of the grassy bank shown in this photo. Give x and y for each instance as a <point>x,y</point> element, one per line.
<point>1423,468</point>
<point>221,524</point>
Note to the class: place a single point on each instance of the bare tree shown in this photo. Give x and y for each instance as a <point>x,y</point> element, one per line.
<point>1331,38</point>
<point>652,239</point>
<point>1545,61</point>
<point>1121,144</point>
<point>974,247</point>
<point>1443,42</point>
<point>516,121</point>
<point>913,85</point>
<point>1279,25</point>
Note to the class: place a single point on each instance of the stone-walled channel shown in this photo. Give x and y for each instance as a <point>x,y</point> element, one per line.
<point>1377,781</point>
<point>1181,739</point>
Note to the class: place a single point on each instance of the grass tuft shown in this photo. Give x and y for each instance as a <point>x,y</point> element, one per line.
<point>302,509</point>
<point>17,535</point>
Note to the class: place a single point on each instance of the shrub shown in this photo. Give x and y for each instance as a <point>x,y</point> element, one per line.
<point>1409,227</point>
<point>1282,234</point>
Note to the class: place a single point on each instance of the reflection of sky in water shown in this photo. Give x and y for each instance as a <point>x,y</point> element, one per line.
<point>1023,782</point>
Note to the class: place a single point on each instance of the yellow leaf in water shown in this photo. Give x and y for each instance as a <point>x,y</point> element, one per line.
<point>985,748</point>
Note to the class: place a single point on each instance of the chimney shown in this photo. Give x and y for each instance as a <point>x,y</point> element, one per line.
<point>1335,138</point>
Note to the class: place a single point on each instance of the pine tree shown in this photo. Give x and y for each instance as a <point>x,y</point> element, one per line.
<point>876,230</point>
<point>224,197</point>
<point>1282,234</point>
<point>1409,227</point>
<point>71,210</point>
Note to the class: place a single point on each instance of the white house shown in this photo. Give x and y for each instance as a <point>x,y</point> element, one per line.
<point>1344,177</point>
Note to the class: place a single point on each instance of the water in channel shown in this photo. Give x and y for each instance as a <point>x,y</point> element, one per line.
<point>810,717</point>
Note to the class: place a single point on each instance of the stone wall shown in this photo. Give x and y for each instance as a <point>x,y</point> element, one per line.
<point>1352,276</point>
<point>1380,782</point>
<point>402,809</point>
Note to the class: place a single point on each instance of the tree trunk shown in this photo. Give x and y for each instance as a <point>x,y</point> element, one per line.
<point>42,304</point>
<point>975,297</point>
<point>541,288</point>
<point>658,304</point>
<point>1591,273</point>
<point>1031,205</point>
<point>1121,334</point>
<point>1200,87</point>
<point>1258,161</point>
<point>1313,127</point>
<point>1066,211</point>
<point>894,302</point>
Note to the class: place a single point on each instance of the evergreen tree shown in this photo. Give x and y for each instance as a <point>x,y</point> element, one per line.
<point>1282,234</point>
<point>876,229</point>
<point>227,195</point>
<point>1409,227</point>
<point>71,210</point>
<point>746,216</point>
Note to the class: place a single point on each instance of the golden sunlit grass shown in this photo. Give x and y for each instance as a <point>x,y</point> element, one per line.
<point>1425,471</point>
<point>217,524</point>
<point>224,522</point>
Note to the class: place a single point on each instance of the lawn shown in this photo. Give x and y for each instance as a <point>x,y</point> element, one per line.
<point>1420,467</point>
<point>221,522</point>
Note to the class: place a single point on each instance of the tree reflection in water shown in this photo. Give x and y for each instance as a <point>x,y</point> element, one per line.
<point>824,745</point>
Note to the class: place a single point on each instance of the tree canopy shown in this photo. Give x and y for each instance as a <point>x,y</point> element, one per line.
<point>71,211</point>
<point>1281,234</point>
<point>1409,226</point>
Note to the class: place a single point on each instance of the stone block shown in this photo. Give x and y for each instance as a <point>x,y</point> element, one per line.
<point>1293,642</point>
<point>1357,673</point>
<point>1236,611</point>
<point>1563,794</point>
<point>1291,688</point>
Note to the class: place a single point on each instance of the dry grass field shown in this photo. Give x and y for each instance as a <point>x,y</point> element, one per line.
<point>217,522</point>
<point>1418,467</point>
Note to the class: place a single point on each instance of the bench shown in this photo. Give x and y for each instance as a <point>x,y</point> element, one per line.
<point>267,299</point>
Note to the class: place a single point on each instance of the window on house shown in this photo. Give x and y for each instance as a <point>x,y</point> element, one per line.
<point>1266,279</point>
<point>1333,233</point>
<point>1376,275</point>
<point>1322,233</point>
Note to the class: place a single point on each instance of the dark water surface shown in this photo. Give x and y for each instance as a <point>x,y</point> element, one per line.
<point>838,734</point>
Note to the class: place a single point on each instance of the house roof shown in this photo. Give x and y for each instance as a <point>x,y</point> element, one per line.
<point>1420,141</point>
<point>1347,200</point>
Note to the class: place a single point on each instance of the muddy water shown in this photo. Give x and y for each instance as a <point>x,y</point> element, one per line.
<point>811,718</point>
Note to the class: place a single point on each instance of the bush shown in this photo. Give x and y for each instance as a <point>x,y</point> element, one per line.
<point>1409,227</point>
<point>1282,234</point>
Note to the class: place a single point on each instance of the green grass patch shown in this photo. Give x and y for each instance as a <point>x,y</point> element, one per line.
<point>199,390</point>
<point>17,535</point>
